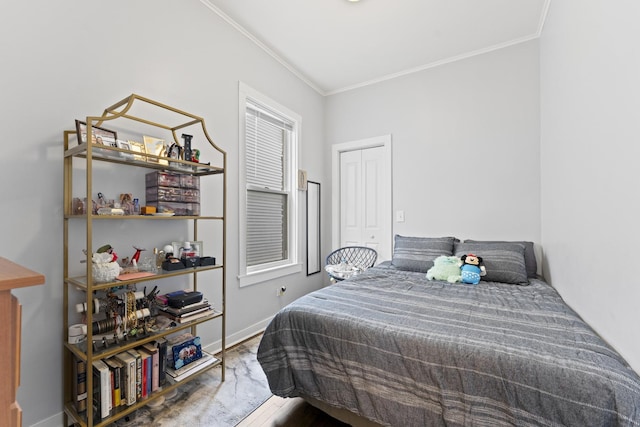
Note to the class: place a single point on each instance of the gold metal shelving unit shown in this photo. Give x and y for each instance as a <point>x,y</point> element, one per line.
<point>132,110</point>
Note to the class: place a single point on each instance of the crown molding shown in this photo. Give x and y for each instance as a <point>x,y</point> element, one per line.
<point>263,46</point>
<point>309,82</point>
<point>536,35</point>
<point>434,64</point>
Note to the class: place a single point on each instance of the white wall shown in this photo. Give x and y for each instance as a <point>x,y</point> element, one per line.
<point>590,97</point>
<point>67,59</point>
<point>465,144</point>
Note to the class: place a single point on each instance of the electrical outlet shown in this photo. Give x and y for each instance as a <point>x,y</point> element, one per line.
<point>280,291</point>
<point>399,216</point>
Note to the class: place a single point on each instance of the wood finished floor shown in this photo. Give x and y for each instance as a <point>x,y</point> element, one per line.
<point>294,412</point>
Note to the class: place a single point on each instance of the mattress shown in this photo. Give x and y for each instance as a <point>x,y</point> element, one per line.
<point>397,349</point>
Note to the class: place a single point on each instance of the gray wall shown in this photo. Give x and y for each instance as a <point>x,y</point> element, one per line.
<point>465,139</point>
<point>68,59</point>
<point>590,93</point>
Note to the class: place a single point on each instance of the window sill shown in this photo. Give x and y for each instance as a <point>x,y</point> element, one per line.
<point>270,274</point>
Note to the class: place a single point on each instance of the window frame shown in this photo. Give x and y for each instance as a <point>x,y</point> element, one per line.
<point>249,275</point>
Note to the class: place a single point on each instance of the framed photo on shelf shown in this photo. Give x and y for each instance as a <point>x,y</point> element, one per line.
<point>175,151</point>
<point>188,246</point>
<point>124,145</point>
<point>100,136</point>
<point>157,147</point>
<point>138,147</point>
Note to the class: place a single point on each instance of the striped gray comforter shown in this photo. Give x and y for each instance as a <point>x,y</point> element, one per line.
<point>403,351</point>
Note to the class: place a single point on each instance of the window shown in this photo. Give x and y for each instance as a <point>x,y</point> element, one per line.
<point>268,202</point>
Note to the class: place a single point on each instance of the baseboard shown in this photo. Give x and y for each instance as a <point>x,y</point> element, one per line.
<point>240,336</point>
<point>215,347</point>
<point>56,420</point>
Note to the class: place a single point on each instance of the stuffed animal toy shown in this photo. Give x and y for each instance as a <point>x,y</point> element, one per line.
<point>471,269</point>
<point>445,268</point>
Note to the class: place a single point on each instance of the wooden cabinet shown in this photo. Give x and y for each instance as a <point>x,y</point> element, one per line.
<point>133,117</point>
<point>12,276</point>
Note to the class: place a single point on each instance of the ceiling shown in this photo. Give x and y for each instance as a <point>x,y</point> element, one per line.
<point>337,45</point>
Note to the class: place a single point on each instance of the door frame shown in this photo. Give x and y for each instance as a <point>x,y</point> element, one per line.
<point>383,141</point>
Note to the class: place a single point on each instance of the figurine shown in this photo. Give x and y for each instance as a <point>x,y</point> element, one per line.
<point>187,146</point>
<point>136,257</point>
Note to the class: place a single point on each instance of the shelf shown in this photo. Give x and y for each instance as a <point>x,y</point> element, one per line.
<point>145,217</point>
<point>127,157</point>
<point>80,349</point>
<point>160,120</point>
<point>81,281</point>
<point>121,411</point>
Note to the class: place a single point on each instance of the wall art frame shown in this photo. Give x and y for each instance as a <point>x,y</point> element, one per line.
<point>314,257</point>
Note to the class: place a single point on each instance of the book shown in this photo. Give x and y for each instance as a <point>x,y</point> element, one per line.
<point>80,384</point>
<point>161,343</point>
<point>123,383</point>
<point>116,375</point>
<point>102,376</point>
<point>107,386</point>
<point>111,389</point>
<point>96,395</point>
<point>190,316</point>
<point>176,375</point>
<point>151,348</point>
<point>186,309</point>
<point>136,355</point>
<point>130,369</point>
<point>146,371</point>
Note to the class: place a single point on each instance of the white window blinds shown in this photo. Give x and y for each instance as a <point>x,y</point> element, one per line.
<point>267,136</point>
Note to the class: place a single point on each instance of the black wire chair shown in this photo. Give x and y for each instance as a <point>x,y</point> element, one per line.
<point>344,262</point>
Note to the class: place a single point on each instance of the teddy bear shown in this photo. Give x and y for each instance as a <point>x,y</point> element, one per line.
<point>471,269</point>
<point>445,268</point>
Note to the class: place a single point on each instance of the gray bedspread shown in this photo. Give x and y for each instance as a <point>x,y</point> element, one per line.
<point>403,351</point>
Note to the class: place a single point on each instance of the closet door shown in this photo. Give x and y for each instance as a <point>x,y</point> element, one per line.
<point>364,208</point>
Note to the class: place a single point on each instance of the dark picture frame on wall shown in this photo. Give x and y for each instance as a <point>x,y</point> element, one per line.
<point>314,258</point>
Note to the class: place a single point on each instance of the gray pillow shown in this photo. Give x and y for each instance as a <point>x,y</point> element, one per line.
<point>529,255</point>
<point>504,261</point>
<point>418,253</point>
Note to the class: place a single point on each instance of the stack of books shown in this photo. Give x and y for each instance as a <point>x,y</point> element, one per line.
<point>123,379</point>
<point>188,312</point>
<point>176,375</point>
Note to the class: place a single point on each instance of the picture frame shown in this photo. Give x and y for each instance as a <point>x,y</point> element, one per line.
<point>99,135</point>
<point>156,147</point>
<point>175,151</point>
<point>177,247</point>
<point>314,258</point>
<point>124,145</point>
<point>138,147</point>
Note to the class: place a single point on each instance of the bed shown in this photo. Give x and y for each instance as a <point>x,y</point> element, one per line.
<point>389,347</point>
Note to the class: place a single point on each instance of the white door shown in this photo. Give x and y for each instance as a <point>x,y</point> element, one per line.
<point>364,189</point>
<point>351,198</point>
